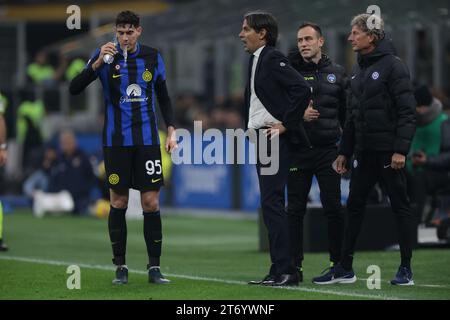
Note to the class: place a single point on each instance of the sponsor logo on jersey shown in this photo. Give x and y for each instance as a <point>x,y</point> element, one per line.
<point>134,94</point>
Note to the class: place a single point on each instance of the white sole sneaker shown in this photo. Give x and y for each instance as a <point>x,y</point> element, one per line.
<point>348,280</point>
<point>339,280</point>
<point>410,283</point>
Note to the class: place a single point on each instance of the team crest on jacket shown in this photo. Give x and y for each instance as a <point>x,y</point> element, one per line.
<point>117,67</point>
<point>331,78</point>
<point>282,64</point>
<point>375,75</point>
<point>355,163</point>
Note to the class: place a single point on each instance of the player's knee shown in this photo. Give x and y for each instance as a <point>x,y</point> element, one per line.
<point>120,203</point>
<point>150,205</point>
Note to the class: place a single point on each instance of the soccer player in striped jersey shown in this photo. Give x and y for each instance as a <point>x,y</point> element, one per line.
<point>131,84</point>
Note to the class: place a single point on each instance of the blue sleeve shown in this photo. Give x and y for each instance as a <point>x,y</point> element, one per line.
<point>161,69</point>
<point>162,94</point>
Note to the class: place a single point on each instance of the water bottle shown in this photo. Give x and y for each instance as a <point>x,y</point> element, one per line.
<point>107,58</point>
<point>125,54</point>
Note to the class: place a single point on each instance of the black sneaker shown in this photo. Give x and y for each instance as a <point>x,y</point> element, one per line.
<point>121,275</point>
<point>404,277</point>
<point>335,274</point>
<point>155,276</point>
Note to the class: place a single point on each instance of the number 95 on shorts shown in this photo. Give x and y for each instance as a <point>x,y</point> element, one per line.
<point>137,167</point>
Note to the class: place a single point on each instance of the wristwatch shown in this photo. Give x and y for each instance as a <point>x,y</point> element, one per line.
<point>3,146</point>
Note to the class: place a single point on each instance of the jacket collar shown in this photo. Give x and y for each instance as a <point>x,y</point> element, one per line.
<point>257,53</point>
<point>262,51</point>
<point>300,64</point>
<point>384,48</point>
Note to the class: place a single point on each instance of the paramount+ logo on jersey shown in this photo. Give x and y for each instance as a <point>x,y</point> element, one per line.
<point>134,94</point>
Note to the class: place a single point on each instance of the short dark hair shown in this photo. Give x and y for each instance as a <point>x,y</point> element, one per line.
<point>259,20</point>
<point>127,17</point>
<point>312,25</point>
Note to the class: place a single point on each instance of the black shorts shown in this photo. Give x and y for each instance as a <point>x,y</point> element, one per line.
<point>137,167</point>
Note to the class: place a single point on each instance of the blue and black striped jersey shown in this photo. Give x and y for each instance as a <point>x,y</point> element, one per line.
<point>129,90</point>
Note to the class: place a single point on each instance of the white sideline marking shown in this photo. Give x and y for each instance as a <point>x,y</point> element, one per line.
<point>111,268</point>
<point>439,286</point>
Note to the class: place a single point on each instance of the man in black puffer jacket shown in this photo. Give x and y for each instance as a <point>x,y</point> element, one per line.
<point>379,128</point>
<point>323,120</point>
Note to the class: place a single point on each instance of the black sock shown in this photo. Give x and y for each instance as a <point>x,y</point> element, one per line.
<point>117,226</point>
<point>153,237</point>
<point>406,263</point>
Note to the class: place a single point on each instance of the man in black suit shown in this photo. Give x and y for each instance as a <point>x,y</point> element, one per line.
<point>276,97</point>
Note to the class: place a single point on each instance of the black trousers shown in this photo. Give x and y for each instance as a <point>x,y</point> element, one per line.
<point>272,188</point>
<point>367,169</point>
<point>305,164</point>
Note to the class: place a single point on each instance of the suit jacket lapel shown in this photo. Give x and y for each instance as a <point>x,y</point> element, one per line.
<point>259,60</point>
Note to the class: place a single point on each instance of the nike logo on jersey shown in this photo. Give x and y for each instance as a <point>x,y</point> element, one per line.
<point>116,76</point>
<point>353,77</point>
<point>155,180</point>
<point>387,166</point>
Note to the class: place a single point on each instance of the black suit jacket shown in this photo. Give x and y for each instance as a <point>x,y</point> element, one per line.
<point>280,88</point>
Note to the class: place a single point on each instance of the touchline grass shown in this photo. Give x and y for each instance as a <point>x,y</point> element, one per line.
<point>205,257</point>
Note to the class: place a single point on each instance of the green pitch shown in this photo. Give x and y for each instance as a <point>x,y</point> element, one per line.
<point>206,258</point>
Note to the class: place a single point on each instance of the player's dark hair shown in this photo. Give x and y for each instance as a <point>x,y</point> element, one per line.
<point>127,17</point>
<point>312,25</point>
<point>258,20</point>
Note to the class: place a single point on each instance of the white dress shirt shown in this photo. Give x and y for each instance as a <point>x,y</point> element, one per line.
<point>258,116</point>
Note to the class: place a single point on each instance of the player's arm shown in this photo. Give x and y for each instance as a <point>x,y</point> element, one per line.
<point>165,105</point>
<point>90,73</point>
<point>342,111</point>
<point>347,143</point>
<point>399,86</point>
<point>164,102</point>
